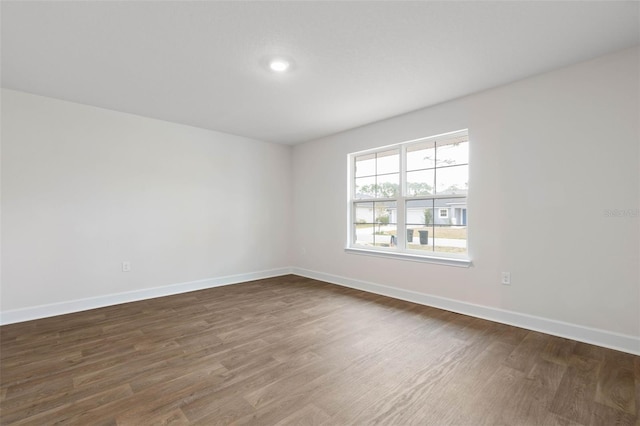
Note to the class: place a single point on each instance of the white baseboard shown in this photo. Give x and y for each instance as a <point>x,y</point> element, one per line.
<point>607,339</point>
<point>43,311</point>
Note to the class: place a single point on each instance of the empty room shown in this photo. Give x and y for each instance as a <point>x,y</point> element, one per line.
<point>320,213</point>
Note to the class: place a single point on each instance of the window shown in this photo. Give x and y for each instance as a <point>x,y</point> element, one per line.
<point>410,199</point>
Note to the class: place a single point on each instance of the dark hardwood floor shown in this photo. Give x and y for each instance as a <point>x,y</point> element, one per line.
<point>291,350</point>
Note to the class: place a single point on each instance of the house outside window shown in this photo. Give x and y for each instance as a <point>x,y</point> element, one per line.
<point>410,199</point>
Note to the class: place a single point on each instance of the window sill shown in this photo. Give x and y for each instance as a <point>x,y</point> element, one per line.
<point>448,261</point>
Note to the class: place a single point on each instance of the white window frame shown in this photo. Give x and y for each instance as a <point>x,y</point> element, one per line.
<point>400,250</point>
<point>445,215</point>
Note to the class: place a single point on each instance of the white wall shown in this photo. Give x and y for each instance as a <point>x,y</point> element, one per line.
<point>548,155</point>
<point>85,188</point>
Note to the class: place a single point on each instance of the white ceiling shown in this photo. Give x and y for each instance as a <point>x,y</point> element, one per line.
<point>202,63</point>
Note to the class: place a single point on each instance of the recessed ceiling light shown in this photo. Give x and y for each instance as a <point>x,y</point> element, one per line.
<point>279,65</point>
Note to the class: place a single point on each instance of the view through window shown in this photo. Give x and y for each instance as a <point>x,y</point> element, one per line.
<point>412,197</point>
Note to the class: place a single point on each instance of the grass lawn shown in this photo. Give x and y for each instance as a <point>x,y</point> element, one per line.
<point>441,249</point>
<point>456,233</point>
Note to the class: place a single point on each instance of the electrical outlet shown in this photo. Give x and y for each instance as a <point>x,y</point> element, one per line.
<point>506,278</point>
<point>126,266</point>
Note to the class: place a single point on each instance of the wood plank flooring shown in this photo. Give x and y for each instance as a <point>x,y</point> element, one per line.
<point>293,351</point>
